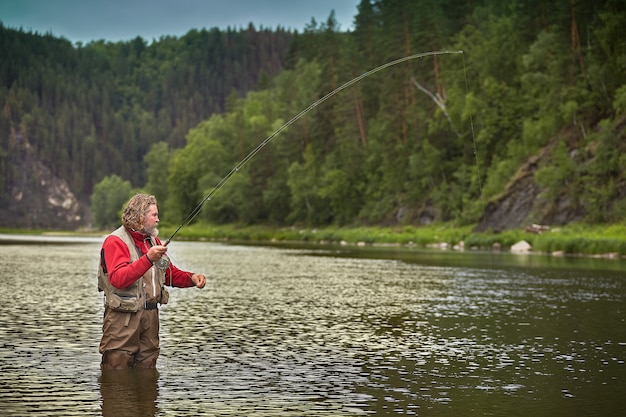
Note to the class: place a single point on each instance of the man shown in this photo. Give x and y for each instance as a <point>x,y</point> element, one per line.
<point>133,272</point>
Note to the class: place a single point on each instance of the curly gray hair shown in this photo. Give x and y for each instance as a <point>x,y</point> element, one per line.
<point>136,209</point>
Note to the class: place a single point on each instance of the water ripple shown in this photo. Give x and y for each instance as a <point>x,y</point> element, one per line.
<point>280,332</point>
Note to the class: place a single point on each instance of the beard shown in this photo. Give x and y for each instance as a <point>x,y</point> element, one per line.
<point>151,231</point>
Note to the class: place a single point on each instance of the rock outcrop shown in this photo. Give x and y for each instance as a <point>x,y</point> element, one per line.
<point>38,198</point>
<point>521,204</point>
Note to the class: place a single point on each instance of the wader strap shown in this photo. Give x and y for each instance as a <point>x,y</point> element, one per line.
<point>127,319</point>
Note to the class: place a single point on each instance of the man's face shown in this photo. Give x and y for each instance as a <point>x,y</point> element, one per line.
<point>151,221</point>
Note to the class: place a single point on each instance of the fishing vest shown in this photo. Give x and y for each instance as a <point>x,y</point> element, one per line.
<point>144,293</point>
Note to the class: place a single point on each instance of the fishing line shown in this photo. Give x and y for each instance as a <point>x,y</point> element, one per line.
<point>261,145</point>
<point>480,184</point>
<point>241,163</point>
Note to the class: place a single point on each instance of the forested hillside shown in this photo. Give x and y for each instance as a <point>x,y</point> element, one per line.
<point>89,111</point>
<point>526,125</point>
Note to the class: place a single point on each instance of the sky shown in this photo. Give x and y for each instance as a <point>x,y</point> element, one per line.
<point>122,20</point>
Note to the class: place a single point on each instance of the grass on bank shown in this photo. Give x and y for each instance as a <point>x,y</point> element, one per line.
<point>571,239</point>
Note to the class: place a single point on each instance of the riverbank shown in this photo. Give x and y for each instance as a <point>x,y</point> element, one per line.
<point>607,241</point>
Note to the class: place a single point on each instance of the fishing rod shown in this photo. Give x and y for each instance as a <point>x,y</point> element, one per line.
<point>267,140</point>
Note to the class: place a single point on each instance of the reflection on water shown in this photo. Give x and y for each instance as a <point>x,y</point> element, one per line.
<point>131,393</point>
<point>303,332</point>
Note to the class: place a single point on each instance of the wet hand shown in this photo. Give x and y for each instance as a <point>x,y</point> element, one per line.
<point>156,252</point>
<point>199,280</point>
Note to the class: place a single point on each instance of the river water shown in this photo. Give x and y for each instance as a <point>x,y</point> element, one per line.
<point>320,331</point>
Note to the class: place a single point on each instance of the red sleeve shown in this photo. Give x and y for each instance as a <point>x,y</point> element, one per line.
<point>175,277</point>
<point>122,273</point>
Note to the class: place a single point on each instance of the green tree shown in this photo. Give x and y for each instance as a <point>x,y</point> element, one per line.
<point>108,199</point>
<point>157,162</point>
<point>231,204</point>
<point>203,157</point>
<point>307,206</point>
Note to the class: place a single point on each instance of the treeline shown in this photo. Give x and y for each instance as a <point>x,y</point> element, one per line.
<point>93,110</point>
<point>432,139</point>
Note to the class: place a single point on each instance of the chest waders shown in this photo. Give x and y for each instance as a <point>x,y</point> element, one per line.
<point>143,294</point>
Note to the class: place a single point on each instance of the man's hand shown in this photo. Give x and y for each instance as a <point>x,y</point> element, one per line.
<point>156,252</point>
<point>199,280</point>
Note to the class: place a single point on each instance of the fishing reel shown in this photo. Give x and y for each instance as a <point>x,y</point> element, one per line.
<point>163,263</point>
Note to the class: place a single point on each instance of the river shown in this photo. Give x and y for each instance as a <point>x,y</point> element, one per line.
<point>322,331</point>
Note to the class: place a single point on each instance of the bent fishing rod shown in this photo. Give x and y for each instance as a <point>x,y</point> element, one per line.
<point>267,140</point>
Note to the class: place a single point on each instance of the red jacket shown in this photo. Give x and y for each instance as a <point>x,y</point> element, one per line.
<point>123,273</point>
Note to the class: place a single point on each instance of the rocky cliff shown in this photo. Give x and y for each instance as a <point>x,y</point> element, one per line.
<point>521,204</point>
<point>39,199</point>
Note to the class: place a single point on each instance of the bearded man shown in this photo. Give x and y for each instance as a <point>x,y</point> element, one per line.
<point>133,272</point>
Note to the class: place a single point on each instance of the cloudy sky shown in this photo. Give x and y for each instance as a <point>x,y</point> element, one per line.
<point>119,20</point>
